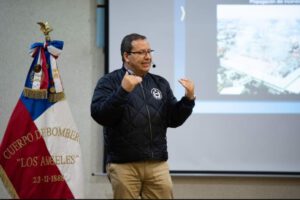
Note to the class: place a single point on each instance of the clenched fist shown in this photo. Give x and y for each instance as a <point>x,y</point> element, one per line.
<point>129,82</point>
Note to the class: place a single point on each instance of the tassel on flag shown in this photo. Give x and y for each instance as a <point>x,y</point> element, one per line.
<point>40,153</point>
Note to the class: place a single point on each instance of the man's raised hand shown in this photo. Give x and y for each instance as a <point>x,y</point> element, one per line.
<point>129,81</point>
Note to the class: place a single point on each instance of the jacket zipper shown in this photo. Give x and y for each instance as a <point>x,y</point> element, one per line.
<point>149,119</point>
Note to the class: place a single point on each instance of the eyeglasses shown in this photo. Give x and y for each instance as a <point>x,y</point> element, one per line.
<point>142,53</point>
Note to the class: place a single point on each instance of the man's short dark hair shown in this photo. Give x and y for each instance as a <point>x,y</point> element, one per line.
<point>126,45</point>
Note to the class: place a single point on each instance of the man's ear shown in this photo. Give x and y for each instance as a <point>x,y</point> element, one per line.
<point>125,56</point>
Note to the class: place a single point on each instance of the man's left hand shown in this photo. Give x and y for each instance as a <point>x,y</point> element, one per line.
<point>189,88</point>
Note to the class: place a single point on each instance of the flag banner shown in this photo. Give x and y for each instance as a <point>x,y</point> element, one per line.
<point>40,153</point>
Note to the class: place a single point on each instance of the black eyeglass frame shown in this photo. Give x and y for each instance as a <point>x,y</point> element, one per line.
<point>144,53</point>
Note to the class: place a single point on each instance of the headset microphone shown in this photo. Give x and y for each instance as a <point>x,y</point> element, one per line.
<point>153,65</point>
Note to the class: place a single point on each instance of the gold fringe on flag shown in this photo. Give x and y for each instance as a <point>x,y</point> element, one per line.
<point>54,97</point>
<point>35,93</point>
<point>8,184</point>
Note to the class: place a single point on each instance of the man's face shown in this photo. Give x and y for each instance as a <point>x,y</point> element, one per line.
<point>139,59</point>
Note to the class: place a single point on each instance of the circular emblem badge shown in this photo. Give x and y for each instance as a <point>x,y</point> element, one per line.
<point>156,93</point>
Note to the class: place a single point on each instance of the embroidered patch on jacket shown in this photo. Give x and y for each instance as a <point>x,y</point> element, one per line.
<point>156,93</point>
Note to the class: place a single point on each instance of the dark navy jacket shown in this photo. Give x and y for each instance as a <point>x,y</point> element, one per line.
<point>135,123</point>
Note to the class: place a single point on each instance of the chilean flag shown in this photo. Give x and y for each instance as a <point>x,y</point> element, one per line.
<point>40,153</point>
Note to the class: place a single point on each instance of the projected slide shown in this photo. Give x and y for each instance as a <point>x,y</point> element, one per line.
<point>244,58</point>
<point>258,49</point>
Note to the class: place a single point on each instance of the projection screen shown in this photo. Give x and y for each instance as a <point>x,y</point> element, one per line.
<point>244,58</point>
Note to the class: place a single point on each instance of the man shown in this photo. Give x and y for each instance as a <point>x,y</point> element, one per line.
<point>136,108</point>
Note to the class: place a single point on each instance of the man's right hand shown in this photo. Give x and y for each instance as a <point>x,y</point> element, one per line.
<point>129,82</point>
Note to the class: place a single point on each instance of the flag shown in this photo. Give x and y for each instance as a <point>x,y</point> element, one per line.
<point>40,153</point>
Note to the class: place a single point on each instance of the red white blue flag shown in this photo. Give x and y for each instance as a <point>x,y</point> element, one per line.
<point>40,153</point>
